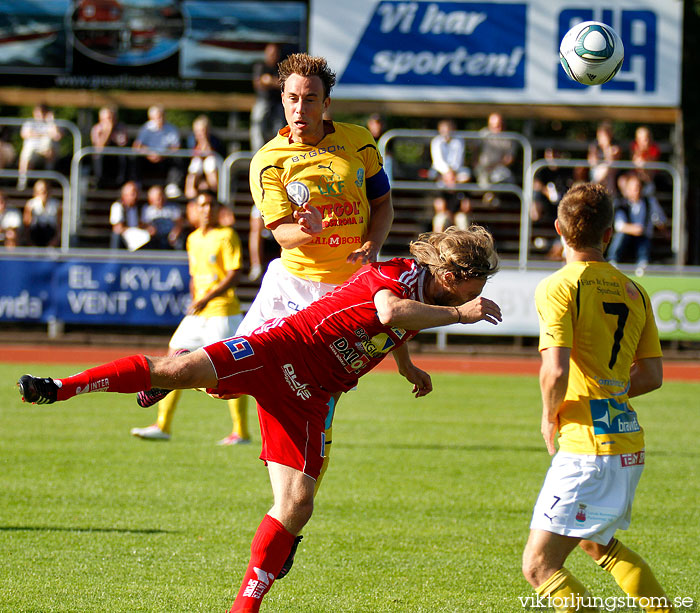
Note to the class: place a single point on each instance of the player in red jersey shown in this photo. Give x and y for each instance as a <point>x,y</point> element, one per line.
<point>291,366</point>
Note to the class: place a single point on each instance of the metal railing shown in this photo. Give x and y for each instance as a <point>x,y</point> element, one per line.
<point>678,231</point>
<point>524,193</point>
<point>226,172</point>
<point>468,135</point>
<point>127,152</point>
<point>472,135</point>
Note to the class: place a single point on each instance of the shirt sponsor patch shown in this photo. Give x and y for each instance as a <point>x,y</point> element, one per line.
<point>239,347</point>
<point>612,417</point>
<point>632,459</point>
<point>298,193</point>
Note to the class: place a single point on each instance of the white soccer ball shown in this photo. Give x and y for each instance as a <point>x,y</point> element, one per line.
<point>591,53</point>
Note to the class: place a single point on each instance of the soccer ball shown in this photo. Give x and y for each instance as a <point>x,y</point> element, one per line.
<point>591,53</point>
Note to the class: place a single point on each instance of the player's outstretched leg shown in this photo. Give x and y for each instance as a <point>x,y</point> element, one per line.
<point>126,376</point>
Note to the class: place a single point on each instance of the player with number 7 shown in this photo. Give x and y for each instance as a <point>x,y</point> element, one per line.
<point>600,347</point>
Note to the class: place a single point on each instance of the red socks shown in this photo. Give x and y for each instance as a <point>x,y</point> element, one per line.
<point>126,375</point>
<point>269,550</point>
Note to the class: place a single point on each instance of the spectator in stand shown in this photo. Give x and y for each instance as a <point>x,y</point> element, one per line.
<point>448,168</point>
<point>601,153</point>
<point>162,220</point>
<point>636,216</point>
<point>10,224</point>
<point>377,126</point>
<point>124,215</point>
<point>108,132</point>
<point>442,216</point>
<point>40,136</point>
<point>7,150</point>
<point>642,151</point>
<point>496,154</point>
<point>157,136</point>
<point>203,163</point>
<point>550,183</point>
<point>42,217</point>
<point>267,116</point>
<point>462,216</point>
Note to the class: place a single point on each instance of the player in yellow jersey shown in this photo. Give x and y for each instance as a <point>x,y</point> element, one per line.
<point>214,254</point>
<point>323,193</point>
<point>599,348</point>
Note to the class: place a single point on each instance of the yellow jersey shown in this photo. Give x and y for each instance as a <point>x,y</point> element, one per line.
<point>211,257</point>
<point>607,321</point>
<point>332,176</point>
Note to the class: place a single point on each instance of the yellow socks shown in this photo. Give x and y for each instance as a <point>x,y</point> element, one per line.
<point>635,577</point>
<point>565,593</point>
<point>166,410</point>
<point>239,416</point>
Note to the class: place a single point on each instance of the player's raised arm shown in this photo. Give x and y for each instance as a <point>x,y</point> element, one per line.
<point>413,315</point>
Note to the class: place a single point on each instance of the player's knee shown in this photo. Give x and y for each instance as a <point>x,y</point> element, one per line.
<point>295,511</point>
<point>303,507</point>
<point>532,566</point>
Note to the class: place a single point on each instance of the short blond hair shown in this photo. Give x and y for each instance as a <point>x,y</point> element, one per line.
<point>584,214</point>
<point>468,254</point>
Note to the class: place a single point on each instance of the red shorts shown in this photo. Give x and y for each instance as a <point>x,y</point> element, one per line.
<point>292,412</point>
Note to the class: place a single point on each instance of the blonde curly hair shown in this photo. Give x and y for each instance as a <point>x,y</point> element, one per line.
<point>468,254</point>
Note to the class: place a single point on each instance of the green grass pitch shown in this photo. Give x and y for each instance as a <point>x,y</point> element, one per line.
<point>425,507</point>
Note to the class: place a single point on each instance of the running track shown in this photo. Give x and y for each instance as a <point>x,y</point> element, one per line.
<point>455,364</point>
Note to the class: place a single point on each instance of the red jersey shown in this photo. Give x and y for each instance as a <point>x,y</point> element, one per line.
<point>339,337</point>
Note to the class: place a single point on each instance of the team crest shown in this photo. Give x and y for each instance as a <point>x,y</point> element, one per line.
<point>581,513</point>
<point>360,177</point>
<point>631,290</point>
<point>298,193</point>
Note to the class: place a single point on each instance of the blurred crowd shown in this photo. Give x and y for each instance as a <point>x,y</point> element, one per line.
<point>157,172</point>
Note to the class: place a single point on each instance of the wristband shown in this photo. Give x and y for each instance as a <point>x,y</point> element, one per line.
<point>459,315</point>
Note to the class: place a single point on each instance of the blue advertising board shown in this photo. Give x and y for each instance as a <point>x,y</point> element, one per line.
<point>505,51</point>
<point>430,40</point>
<point>94,292</point>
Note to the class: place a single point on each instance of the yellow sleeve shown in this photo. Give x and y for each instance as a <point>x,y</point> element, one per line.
<point>231,251</point>
<point>267,188</point>
<point>553,302</point>
<point>649,345</point>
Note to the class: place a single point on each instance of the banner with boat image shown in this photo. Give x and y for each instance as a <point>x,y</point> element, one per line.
<point>143,44</point>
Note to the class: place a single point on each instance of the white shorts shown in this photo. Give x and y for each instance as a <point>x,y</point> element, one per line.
<point>281,293</point>
<point>195,331</point>
<point>588,496</point>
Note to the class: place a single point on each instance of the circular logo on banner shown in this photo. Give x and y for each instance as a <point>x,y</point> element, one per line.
<point>677,311</point>
<point>298,193</point>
